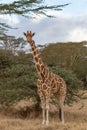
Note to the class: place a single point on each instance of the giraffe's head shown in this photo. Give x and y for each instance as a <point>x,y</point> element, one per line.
<point>29,36</point>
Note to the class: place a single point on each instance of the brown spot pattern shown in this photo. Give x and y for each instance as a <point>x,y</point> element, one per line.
<point>36,59</point>
<point>38,67</point>
<point>35,52</point>
<point>44,87</point>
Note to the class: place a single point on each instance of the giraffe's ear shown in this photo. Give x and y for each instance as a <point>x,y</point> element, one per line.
<point>24,33</point>
<point>33,34</point>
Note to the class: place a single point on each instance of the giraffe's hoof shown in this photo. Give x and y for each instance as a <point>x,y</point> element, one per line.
<point>43,122</point>
<point>47,123</point>
<point>63,122</point>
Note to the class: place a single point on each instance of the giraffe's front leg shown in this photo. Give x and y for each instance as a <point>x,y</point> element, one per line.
<point>46,92</point>
<point>47,115</point>
<point>47,110</point>
<point>43,115</point>
<point>43,107</point>
<point>42,99</point>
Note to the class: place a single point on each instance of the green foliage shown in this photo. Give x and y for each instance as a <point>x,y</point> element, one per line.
<point>23,7</point>
<point>4,61</point>
<point>18,83</point>
<point>81,68</point>
<point>20,77</point>
<point>72,56</point>
<point>27,8</point>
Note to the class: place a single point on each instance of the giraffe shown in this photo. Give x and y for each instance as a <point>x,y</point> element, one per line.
<point>48,83</point>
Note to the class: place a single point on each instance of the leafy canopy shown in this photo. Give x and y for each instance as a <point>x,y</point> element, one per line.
<point>23,7</point>
<point>26,8</point>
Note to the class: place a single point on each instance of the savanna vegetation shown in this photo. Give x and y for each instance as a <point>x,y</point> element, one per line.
<point>18,75</point>
<point>71,55</point>
<point>18,86</point>
<point>75,119</point>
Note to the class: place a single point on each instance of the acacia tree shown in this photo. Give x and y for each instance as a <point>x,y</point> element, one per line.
<point>11,43</point>
<point>26,8</point>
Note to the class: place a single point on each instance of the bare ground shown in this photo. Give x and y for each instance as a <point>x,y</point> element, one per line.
<point>75,119</point>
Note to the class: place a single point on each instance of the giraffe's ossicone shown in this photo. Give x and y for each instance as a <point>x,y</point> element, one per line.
<point>48,83</point>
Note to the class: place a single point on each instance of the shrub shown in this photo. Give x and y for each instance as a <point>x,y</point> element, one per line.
<point>20,82</point>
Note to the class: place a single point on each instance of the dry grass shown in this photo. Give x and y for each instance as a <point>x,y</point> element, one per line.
<point>34,124</point>
<point>75,116</point>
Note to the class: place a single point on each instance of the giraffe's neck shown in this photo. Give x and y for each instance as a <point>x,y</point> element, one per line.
<point>40,67</point>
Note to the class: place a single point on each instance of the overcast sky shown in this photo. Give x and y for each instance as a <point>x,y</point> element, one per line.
<point>69,24</point>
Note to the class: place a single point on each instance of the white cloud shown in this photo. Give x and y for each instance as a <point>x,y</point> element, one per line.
<point>37,18</point>
<point>78,34</point>
<point>60,14</point>
<point>65,27</point>
<point>10,19</point>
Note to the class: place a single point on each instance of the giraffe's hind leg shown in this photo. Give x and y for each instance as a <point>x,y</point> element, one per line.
<point>61,114</point>
<point>47,111</point>
<point>61,108</point>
